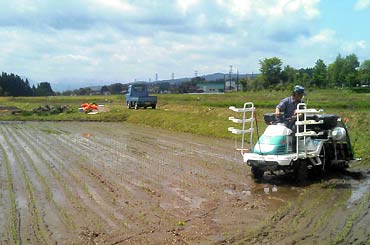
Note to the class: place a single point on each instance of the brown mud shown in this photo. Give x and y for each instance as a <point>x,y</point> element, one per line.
<point>114,183</point>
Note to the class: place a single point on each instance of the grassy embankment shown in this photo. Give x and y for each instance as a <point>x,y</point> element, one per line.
<point>205,114</point>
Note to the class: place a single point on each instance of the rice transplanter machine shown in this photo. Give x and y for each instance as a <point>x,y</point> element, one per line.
<point>316,143</point>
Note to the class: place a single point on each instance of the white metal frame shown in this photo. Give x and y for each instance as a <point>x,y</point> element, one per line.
<point>247,108</point>
<point>303,111</point>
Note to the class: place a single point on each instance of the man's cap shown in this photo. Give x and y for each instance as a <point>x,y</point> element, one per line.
<point>299,89</point>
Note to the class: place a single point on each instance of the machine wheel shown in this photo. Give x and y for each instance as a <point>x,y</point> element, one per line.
<point>136,106</point>
<point>128,105</point>
<point>301,172</point>
<point>257,173</point>
<point>153,106</point>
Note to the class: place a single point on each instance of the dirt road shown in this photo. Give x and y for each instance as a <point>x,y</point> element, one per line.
<point>113,183</point>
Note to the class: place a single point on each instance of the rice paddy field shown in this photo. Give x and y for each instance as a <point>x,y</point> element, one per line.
<point>169,175</point>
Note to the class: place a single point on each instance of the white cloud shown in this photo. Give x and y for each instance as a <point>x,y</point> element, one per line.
<point>186,5</point>
<point>241,8</point>
<point>201,20</point>
<point>74,57</point>
<point>72,61</point>
<point>120,57</point>
<point>361,44</point>
<point>362,5</point>
<point>323,37</point>
<point>353,47</point>
<point>285,8</point>
<point>118,5</point>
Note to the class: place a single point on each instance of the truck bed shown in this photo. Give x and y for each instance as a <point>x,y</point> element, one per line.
<point>143,98</point>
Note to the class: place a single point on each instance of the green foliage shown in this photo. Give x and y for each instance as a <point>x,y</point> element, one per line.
<point>13,85</point>
<point>271,70</point>
<point>114,89</point>
<point>343,72</point>
<point>289,74</point>
<point>364,72</point>
<point>244,84</point>
<point>361,89</point>
<point>43,89</point>
<point>320,73</point>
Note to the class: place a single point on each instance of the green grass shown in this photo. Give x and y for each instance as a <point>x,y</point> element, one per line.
<point>204,114</point>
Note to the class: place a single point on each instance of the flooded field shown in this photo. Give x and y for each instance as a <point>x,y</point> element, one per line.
<point>114,183</point>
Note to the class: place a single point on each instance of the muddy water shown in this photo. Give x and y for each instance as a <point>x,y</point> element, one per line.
<point>119,183</point>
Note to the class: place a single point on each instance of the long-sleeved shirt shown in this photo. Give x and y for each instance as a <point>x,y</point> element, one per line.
<point>288,106</point>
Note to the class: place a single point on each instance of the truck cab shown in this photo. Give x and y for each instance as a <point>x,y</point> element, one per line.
<point>138,96</point>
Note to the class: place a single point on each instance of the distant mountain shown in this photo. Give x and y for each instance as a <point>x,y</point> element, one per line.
<point>72,84</point>
<point>211,77</point>
<point>177,80</point>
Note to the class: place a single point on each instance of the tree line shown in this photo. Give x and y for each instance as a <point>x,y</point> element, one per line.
<point>14,85</point>
<point>343,72</point>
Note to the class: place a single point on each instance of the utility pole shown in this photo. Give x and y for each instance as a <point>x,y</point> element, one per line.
<point>237,80</point>
<point>224,82</point>
<point>230,72</point>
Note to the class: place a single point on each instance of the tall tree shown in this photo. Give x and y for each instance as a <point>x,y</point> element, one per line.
<point>319,74</point>
<point>244,83</point>
<point>44,89</point>
<point>364,72</point>
<point>14,85</point>
<point>335,72</point>
<point>351,65</point>
<point>271,70</point>
<point>344,71</point>
<point>104,89</point>
<point>289,75</point>
<point>117,88</point>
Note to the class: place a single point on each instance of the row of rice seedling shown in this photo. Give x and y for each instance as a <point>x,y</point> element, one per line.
<point>14,221</point>
<point>42,235</point>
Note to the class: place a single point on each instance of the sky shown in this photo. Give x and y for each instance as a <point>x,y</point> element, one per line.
<point>73,43</point>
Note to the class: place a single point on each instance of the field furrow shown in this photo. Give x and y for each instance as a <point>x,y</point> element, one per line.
<point>106,176</point>
<point>54,199</point>
<point>30,216</point>
<point>127,215</point>
<point>78,188</point>
<point>9,215</point>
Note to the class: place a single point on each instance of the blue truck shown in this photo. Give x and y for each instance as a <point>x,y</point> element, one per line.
<point>138,96</point>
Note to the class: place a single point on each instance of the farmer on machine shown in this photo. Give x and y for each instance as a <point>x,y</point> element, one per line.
<point>287,106</point>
